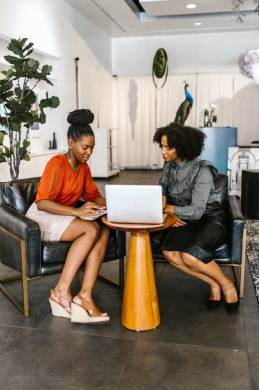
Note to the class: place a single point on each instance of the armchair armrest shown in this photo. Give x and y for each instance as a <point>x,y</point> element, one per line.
<point>26,229</point>
<point>237,223</point>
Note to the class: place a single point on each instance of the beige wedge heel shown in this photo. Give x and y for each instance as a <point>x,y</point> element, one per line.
<point>58,309</point>
<point>87,313</point>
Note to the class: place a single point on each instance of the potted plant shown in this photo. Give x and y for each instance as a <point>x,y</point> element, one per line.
<point>17,100</point>
<point>210,116</point>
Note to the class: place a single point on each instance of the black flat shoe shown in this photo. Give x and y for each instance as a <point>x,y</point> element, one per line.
<point>213,304</point>
<point>232,307</point>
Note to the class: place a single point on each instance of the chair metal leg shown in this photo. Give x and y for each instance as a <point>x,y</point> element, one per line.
<point>239,270</point>
<point>239,274</point>
<point>243,263</point>
<point>23,307</point>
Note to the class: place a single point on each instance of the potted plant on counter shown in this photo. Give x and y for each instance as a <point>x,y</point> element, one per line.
<point>17,100</point>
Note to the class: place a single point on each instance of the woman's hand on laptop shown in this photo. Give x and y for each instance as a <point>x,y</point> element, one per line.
<point>167,208</point>
<point>90,207</point>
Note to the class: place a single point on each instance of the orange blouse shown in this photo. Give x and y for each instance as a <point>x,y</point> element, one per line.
<point>60,184</point>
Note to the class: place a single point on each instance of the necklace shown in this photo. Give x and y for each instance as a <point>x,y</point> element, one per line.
<point>76,171</point>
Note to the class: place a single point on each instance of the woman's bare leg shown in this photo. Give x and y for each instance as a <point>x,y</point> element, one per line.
<point>85,236</point>
<point>92,267</point>
<point>176,260</point>
<point>210,273</point>
<point>94,262</point>
<point>213,271</point>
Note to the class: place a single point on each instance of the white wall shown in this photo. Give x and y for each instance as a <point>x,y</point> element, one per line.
<point>197,55</point>
<point>40,21</point>
<point>186,53</point>
<point>60,34</point>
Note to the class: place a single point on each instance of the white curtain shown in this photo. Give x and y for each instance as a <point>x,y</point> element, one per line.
<point>88,90</point>
<point>171,96</point>
<point>142,109</point>
<point>137,108</point>
<point>136,121</point>
<point>95,93</point>
<point>246,112</point>
<point>218,89</point>
<point>105,99</point>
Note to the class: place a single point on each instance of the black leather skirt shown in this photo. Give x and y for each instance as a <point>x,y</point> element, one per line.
<point>199,238</point>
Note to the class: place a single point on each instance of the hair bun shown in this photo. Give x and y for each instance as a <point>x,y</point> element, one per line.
<point>80,117</point>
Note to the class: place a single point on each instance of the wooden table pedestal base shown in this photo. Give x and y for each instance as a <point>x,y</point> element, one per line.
<point>140,309</point>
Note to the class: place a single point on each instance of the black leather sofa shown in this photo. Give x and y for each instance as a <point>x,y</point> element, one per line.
<point>22,249</point>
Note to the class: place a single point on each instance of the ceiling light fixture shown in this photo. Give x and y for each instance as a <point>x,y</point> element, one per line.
<point>191,6</point>
<point>197,24</point>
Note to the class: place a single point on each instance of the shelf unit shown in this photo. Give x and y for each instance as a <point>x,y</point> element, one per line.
<point>32,168</point>
<point>104,162</point>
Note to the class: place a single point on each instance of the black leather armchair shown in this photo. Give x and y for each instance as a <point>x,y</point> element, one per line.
<point>233,252</point>
<point>21,247</point>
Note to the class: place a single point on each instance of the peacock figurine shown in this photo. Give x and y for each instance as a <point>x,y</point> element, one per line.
<point>185,108</point>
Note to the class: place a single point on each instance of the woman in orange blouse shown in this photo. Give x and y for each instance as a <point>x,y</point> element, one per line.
<point>65,179</point>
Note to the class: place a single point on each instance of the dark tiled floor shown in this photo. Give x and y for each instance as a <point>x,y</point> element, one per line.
<point>191,349</point>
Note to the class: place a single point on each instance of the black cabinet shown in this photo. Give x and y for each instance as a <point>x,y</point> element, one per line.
<point>250,193</point>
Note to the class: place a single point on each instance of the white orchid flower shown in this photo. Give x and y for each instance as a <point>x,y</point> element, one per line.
<point>205,107</point>
<point>213,107</point>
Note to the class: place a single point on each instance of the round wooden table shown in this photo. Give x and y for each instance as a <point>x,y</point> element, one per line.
<point>140,310</point>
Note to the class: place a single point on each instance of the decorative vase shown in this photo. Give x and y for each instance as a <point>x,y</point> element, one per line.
<point>54,142</point>
<point>206,120</point>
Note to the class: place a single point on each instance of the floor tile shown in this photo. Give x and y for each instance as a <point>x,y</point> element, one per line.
<point>251,319</point>
<point>33,359</point>
<point>185,318</point>
<point>254,372</point>
<point>171,366</point>
<point>192,348</point>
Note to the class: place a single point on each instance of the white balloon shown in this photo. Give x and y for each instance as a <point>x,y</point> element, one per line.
<point>255,71</point>
<point>247,60</point>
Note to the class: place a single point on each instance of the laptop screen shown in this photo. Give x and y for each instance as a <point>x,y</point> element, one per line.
<point>134,203</point>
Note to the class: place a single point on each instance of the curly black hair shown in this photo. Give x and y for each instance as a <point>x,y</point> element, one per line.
<point>188,141</point>
<point>80,124</point>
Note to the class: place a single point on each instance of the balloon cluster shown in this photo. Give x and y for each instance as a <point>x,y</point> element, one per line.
<point>249,64</point>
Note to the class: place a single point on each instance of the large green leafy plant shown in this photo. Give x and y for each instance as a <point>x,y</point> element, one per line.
<point>17,98</point>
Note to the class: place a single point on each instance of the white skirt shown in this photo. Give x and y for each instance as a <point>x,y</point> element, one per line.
<point>52,226</point>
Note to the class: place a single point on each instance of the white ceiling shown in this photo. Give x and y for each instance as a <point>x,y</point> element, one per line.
<point>122,18</point>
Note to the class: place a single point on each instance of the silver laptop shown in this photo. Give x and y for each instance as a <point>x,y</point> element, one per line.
<point>134,203</point>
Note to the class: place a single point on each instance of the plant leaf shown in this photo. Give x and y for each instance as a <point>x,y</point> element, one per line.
<point>2,158</point>
<point>13,60</point>
<point>1,138</point>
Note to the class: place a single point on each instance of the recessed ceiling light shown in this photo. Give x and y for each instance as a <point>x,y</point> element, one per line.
<point>191,6</point>
<point>197,24</point>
